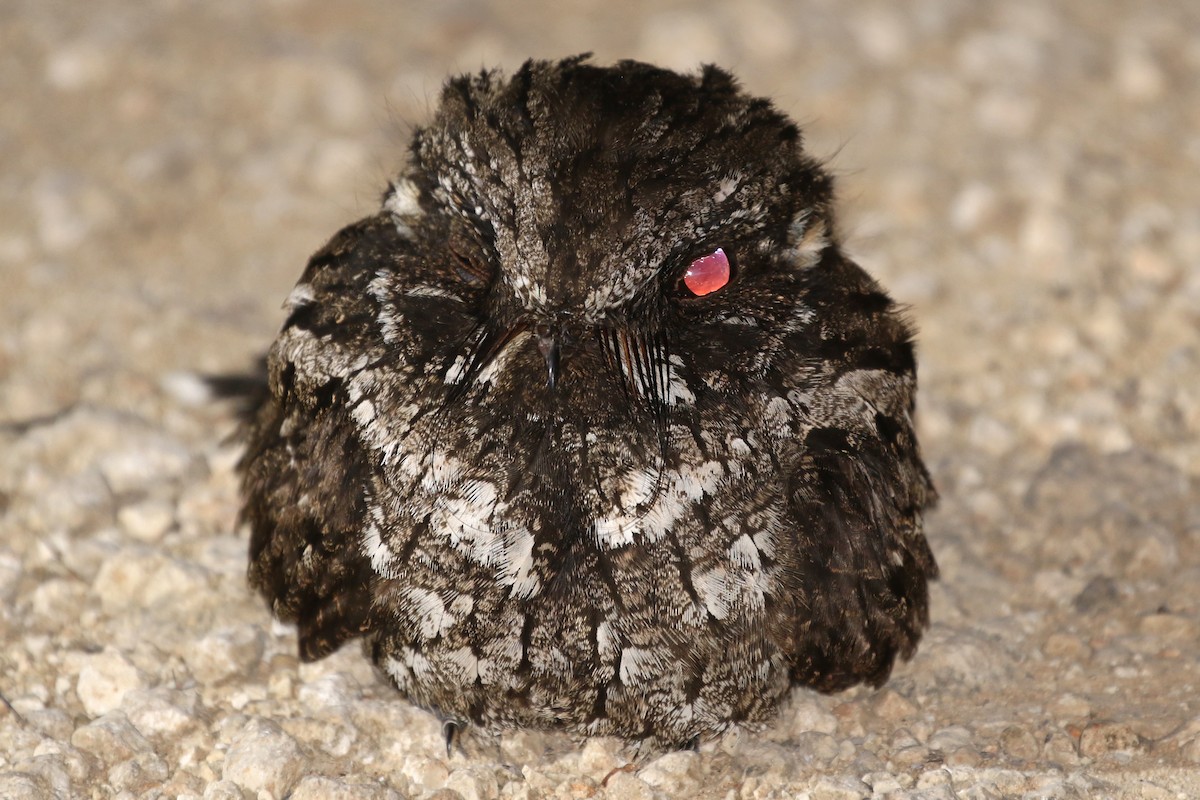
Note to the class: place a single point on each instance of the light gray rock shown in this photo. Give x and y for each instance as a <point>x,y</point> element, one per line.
<point>628,786</point>
<point>104,680</point>
<point>262,758</point>
<point>111,738</point>
<point>675,774</point>
<point>138,774</point>
<point>161,712</point>
<point>23,786</point>
<point>317,787</point>
<point>226,653</point>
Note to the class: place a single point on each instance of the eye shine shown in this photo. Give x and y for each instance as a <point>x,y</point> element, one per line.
<point>707,274</point>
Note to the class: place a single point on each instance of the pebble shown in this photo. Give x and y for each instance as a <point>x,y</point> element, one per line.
<point>111,738</point>
<point>334,738</point>
<point>627,786</point>
<point>883,783</point>
<point>58,599</point>
<point>78,764</point>
<point>10,575</point>
<point>816,749</point>
<point>24,786</point>
<point>1100,593</point>
<point>54,723</point>
<point>223,790</point>
<point>319,787</point>
<point>1170,629</point>
<point>908,758</point>
<point>809,712</point>
<point>598,757</point>
<point>78,65</point>
<point>892,706</point>
<point>69,502</point>
<point>328,692</point>
<point>225,653</point>
<point>675,774</point>
<point>967,659</point>
<point>1061,749</point>
<point>53,772</point>
<point>147,521</point>
<point>1107,739</point>
<point>1138,76</point>
<point>104,680</point>
<point>881,33</point>
<point>161,712</point>
<point>262,758</point>
<point>475,782</point>
<point>1019,743</point>
<point>1070,707</point>
<point>948,739</point>
<point>167,587</point>
<point>143,771</point>
<point>425,772</point>
<point>1066,646</point>
<point>935,784</point>
<point>1190,751</point>
<point>964,757</point>
<point>144,458</point>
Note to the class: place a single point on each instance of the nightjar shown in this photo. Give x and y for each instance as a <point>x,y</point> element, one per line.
<point>593,426</point>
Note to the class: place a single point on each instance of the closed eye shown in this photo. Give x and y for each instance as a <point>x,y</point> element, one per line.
<point>470,268</point>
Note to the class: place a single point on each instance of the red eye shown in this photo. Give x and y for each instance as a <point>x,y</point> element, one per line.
<point>707,274</point>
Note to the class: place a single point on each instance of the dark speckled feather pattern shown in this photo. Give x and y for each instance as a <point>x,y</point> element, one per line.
<point>714,500</point>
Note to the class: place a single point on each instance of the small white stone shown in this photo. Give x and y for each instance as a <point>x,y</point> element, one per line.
<point>186,388</point>
<point>147,521</point>
<point>599,757</point>
<point>809,713</point>
<point>425,774</point>
<point>134,577</point>
<point>328,691</point>
<point>10,576</point>
<point>22,786</point>
<point>225,653</point>
<point>675,774</point>
<point>140,773</point>
<point>161,712</point>
<point>110,738</point>
<point>1110,739</point>
<point>143,459</point>
<point>104,681</point>
<point>474,783</point>
<point>262,758</point>
<point>319,787</point>
<point>222,790</point>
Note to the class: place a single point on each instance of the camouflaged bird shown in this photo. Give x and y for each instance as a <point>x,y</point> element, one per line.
<point>593,425</point>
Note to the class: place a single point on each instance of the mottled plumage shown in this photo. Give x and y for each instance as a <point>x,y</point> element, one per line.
<point>551,487</point>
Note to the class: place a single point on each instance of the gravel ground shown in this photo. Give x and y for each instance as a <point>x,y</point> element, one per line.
<point>1023,175</point>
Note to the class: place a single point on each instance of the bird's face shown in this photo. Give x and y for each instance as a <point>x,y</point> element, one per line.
<point>608,228</point>
<point>593,290</point>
